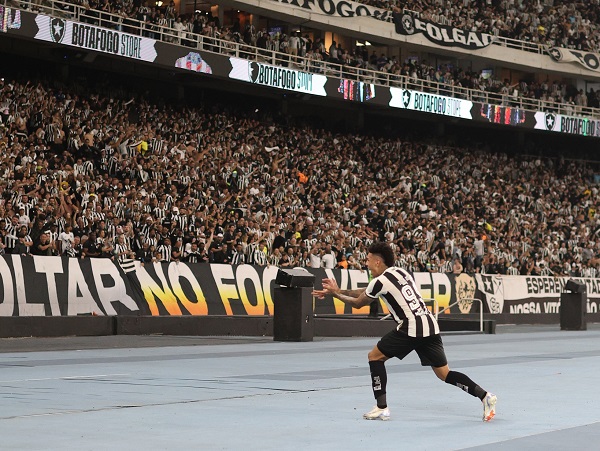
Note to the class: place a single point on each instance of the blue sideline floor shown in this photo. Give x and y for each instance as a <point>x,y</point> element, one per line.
<point>194,393</point>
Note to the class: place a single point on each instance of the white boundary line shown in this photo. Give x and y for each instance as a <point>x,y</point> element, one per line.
<point>92,376</point>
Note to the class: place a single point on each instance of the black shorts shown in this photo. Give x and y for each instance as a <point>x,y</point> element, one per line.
<point>429,349</point>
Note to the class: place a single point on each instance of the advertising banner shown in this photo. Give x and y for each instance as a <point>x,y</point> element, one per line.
<point>447,36</point>
<point>430,103</point>
<point>277,77</point>
<point>340,8</point>
<point>356,91</point>
<point>55,286</point>
<point>567,124</point>
<point>196,289</point>
<point>91,37</point>
<point>193,61</point>
<point>503,115</point>
<point>588,60</point>
<point>517,296</point>
<point>10,19</point>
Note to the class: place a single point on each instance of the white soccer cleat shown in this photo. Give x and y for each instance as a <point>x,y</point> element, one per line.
<point>489,406</point>
<point>378,414</point>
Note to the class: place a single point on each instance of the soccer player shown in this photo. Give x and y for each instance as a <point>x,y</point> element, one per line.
<point>417,329</point>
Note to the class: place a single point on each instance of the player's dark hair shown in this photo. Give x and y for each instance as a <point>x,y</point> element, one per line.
<point>384,251</point>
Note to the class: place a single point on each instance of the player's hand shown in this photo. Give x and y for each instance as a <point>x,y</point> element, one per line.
<point>319,294</point>
<point>330,286</point>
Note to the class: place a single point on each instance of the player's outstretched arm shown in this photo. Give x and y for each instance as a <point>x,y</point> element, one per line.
<point>355,298</point>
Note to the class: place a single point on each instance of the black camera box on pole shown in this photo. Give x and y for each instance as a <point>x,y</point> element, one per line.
<point>572,311</point>
<point>294,278</point>
<point>293,318</point>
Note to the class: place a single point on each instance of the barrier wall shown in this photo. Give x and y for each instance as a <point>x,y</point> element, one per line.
<point>65,287</point>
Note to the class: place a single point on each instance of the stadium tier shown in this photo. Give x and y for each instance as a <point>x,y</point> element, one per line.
<point>549,94</point>
<point>91,171</point>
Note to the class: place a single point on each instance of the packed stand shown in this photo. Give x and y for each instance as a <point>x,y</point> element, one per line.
<point>557,23</point>
<point>554,23</point>
<point>89,175</point>
<point>301,51</point>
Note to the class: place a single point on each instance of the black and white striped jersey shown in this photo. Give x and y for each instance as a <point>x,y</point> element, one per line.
<point>238,258</point>
<point>10,239</point>
<point>398,290</point>
<point>152,241</point>
<point>195,257</point>
<point>165,252</point>
<point>27,206</point>
<point>121,250</point>
<point>182,221</point>
<point>156,146</point>
<point>512,271</point>
<point>259,257</point>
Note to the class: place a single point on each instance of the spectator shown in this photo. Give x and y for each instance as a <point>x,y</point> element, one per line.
<point>21,247</point>
<point>329,260</point>
<point>43,246</point>
<point>66,240</point>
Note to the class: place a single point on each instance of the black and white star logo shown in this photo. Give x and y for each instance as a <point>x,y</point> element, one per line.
<point>550,121</point>
<point>408,23</point>
<point>406,98</point>
<point>555,54</point>
<point>487,284</point>
<point>57,29</point>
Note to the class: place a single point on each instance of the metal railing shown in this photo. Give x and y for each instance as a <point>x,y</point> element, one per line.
<point>471,300</point>
<point>50,7</point>
<point>217,45</point>
<point>437,311</point>
<point>517,44</point>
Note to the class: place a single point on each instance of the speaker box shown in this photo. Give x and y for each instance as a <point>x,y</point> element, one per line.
<point>294,278</point>
<point>293,318</point>
<point>573,308</point>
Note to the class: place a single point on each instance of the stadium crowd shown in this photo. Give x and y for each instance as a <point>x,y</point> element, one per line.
<point>560,22</point>
<point>553,23</point>
<point>555,96</point>
<point>99,175</point>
